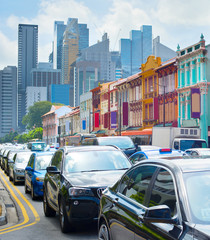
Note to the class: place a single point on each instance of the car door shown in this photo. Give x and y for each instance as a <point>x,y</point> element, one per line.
<point>29,172</point>
<point>163,192</point>
<point>128,204</point>
<point>53,181</point>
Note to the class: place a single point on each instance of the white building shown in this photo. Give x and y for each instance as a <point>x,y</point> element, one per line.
<point>35,94</point>
<point>86,112</point>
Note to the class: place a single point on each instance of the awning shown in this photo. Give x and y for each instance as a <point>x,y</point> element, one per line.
<point>147,131</point>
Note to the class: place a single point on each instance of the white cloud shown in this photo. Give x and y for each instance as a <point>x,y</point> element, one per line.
<point>123,17</point>
<point>8,50</point>
<point>183,13</point>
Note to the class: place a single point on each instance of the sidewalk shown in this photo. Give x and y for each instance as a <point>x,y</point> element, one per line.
<point>8,213</point>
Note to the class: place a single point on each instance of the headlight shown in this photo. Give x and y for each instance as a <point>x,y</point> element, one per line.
<point>75,191</point>
<point>19,170</point>
<point>39,179</point>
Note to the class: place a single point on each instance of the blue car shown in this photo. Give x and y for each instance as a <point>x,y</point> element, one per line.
<point>155,153</point>
<point>35,172</point>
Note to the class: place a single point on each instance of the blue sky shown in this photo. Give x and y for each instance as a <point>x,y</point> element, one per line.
<point>177,21</point>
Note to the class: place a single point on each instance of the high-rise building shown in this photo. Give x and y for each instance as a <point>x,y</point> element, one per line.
<point>59,29</point>
<point>134,51</point>
<point>44,75</point>
<point>59,93</point>
<point>93,66</point>
<point>162,51</point>
<point>8,100</point>
<point>75,38</point>
<point>27,59</point>
<point>35,94</point>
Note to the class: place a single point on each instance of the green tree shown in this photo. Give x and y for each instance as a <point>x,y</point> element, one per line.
<point>33,118</point>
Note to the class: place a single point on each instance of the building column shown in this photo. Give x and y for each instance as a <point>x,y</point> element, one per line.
<point>203,117</point>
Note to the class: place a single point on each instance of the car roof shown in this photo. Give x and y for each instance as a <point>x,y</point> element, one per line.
<point>185,164</point>
<point>92,148</point>
<point>43,153</point>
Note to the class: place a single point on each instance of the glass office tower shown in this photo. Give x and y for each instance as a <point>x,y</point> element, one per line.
<point>134,51</point>
<point>27,59</point>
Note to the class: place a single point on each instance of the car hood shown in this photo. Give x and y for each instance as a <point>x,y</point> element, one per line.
<point>205,229</point>
<point>94,179</point>
<point>20,165</point>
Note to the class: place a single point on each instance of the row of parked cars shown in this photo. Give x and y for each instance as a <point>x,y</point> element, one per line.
<point>151,194</point>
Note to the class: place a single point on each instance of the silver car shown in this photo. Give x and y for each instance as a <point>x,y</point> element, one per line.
<point>17,167</point>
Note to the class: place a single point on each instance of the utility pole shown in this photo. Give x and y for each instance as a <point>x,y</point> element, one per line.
<point>120,115</point>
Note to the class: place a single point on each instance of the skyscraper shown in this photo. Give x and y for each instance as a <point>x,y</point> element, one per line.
<point>134,51</point>
<point>8,100</point>
<point>59,29</point>
<point>27,59</point>
<point>75,38</point>
<point>93,66</point>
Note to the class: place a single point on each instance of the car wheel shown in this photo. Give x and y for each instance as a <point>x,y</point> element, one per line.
<point>10,178</point>
<point>32,192</point>
<point>64,223</point>
<point>26,188</point>
<point>48,211</point>
<point>103,233</point>
<point>14,182</point>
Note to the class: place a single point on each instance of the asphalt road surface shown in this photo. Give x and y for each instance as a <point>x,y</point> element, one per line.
<point>32,224</point>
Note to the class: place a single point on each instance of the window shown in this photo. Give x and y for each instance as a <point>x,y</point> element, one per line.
<point>137,186</point>
<point>56,160</point>
<point>31,161</point>
<point>163,192</point>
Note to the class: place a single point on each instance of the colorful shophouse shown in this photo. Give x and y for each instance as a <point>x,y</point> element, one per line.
<point>168,97</point>
<point>193,82</point>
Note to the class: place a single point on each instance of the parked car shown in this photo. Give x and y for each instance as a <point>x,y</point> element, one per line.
<point>35,172</point>
<point>75,180</point>
<point>123,142</point>
<point>158,200</point>
<point>155,153</point>
<point>17,166</point>
<point>198,151</point>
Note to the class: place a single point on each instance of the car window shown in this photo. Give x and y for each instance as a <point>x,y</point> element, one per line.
<point>194,153</point>
<point>31,161</point>
<point>142,156</point>
<point>163,191</point>
<point>139,181</point>
<point>134,158</point>
<point>56,160</point>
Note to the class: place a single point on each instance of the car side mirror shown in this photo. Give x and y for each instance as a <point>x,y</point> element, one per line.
<point>28,168</point>
<point>52,170</point>
<point>159,214</point>
<point>137,147</point>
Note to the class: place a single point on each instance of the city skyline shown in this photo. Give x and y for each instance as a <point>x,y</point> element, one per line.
<point>175,22</point>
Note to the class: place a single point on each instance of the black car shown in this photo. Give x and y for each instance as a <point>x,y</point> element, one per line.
<point>164,199</point>
<point>124,143</point>
<point>75,180</point>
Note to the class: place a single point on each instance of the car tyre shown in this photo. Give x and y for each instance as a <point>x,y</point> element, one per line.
<point>64,223</point>
<point>48,211</point>
<point>103,233</point>
<point>14,182</point>
<point>26,188</point>
<point>33,196</point>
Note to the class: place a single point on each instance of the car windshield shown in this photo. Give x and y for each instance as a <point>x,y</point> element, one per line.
<point>95,161</point>
<point>198,192</point>
<point>186,144</point>
<point>38,146</point>
<point>122,143</point>
<point>42,162</point>
<point>22,157</point>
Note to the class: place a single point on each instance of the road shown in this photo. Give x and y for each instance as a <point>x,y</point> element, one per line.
<point>32,224</point>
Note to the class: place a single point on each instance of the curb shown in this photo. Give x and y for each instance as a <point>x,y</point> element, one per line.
<point>3,216</point>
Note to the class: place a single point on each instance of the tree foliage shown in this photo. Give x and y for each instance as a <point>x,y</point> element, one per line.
<point>33,118</point>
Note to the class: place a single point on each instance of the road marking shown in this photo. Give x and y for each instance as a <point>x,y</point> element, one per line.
<point>25,215</point>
